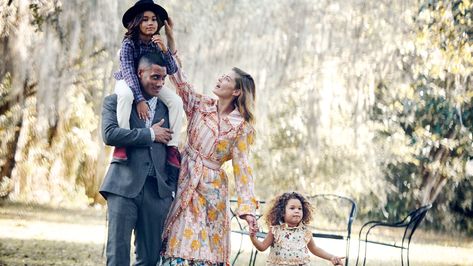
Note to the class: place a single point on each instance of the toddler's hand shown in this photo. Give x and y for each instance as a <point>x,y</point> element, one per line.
<point>337,260</point>
<point>142,108</point>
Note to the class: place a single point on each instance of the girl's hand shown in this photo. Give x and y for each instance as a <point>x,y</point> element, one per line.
<point>156,39</point>
<point>336,260</point>
<point>142,109</point>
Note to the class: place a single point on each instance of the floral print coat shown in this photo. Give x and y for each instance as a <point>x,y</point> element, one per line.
<point>198,225</point>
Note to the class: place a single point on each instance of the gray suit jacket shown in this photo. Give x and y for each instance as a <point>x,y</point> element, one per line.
<point>127,178</point>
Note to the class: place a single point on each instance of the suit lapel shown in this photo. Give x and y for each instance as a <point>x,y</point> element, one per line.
<point>159,114</point>
<point>135,121</point>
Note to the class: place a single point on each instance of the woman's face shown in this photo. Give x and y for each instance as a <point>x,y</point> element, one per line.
<point>149,24</point>
<point>225,88</point>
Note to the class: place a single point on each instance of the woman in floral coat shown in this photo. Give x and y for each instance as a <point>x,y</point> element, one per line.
<point>197,230</point>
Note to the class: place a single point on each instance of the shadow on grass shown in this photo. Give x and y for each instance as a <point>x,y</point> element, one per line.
<point>46,252</point>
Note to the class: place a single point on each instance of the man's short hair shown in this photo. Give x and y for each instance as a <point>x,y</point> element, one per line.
<point>148,59</point>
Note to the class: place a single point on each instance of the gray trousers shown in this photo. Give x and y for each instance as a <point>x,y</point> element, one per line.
<point>145,215</point>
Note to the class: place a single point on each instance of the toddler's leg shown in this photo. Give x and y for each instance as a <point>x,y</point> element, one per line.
<point>176,111</point>
<point>124,103</point>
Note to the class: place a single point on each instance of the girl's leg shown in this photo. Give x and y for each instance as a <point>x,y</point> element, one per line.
<point>176,110</point>
<point>124,105</point>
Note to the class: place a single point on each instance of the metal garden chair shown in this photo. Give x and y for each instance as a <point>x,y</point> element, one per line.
<point>333,218</point>
<point>408,225</point>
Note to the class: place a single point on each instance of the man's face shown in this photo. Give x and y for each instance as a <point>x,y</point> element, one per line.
<point>152,80</point>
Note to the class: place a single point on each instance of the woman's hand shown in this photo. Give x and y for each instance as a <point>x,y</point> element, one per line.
<point>142,108</point>
<point>252,224</point>
<point>156,39</point>
<point>168,28</point>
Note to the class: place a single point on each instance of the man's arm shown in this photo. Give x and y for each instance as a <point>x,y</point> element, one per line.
<point>113,135</point>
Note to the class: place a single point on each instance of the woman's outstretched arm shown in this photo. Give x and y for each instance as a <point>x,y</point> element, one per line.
<point>190,98</point>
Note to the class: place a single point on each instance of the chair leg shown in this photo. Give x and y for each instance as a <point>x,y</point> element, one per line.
<point>347,251</point>
<point>254,258</point>
<point>408,253</point>
<point>359,245</point>
<point>366,242</point>
<point>238,252</point>
<point>366,249</point>
<point>402,256</point>
<point>250,262</point>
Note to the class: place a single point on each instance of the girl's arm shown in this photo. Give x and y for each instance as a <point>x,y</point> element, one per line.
<point>323,254</point>
<point>128,70</point>
<point>262,245</point>
<point>171,66</point>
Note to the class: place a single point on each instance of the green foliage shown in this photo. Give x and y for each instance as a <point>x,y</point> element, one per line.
<point>433,112</point>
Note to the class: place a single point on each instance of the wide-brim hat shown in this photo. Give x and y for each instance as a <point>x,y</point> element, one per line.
<point>141,6</point>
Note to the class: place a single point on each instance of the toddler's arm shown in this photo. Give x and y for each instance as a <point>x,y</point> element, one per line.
<point>324,254</point>
<point>262,245</point>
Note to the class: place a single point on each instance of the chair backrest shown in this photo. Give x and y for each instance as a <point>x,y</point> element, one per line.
<point>333,214</point>
<point>413,220</point>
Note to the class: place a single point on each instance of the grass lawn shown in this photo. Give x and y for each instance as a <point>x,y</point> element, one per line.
<point>38,235</point>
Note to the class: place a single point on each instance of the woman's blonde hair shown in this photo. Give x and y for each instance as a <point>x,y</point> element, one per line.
<point>245,102</point>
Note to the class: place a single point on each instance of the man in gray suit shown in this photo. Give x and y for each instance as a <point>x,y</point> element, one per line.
<point>139,191</point>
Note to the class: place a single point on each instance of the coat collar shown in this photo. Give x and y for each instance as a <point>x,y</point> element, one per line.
<point>234,118</point>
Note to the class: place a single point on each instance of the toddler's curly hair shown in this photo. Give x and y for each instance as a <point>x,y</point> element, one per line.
<point>278,208</point>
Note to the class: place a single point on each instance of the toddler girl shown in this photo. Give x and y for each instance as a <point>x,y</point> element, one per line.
<point>289,237</point>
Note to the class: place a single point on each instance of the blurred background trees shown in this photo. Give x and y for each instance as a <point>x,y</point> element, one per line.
<point>371,99</point>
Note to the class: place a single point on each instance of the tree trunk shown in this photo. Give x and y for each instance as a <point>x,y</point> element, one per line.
<point>7,168</point>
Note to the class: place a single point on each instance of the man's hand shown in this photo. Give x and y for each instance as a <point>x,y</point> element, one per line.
<point>156,39</point>
<point>161,134</point>
<point>142,108</point>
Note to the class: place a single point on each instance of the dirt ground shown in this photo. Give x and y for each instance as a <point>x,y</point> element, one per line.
<point>38,235</point>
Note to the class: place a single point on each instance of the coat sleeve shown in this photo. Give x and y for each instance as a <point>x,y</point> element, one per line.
<point>190,98</point>
<point>113,135</point>
<point>243,172</point>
